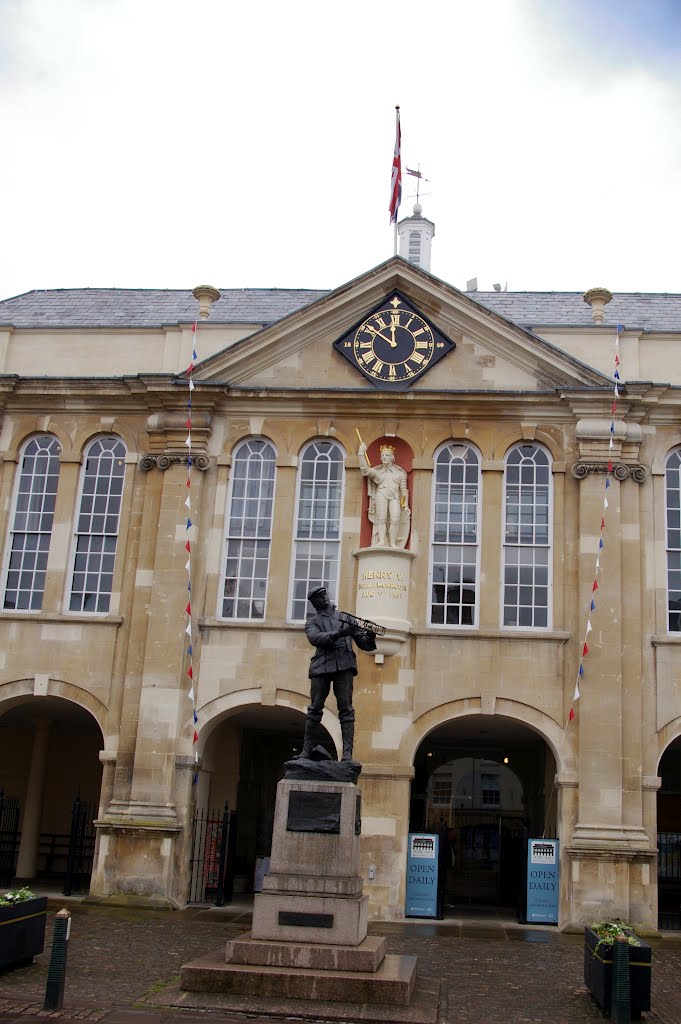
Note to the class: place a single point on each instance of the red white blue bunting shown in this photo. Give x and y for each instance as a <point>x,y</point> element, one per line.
<point>188,503</point>
<point>601,544</point>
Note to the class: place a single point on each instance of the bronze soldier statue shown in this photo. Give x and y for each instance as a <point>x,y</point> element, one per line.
<point>333,663</point>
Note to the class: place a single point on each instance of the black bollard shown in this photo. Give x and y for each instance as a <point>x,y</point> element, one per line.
<point>620,1000</point>
<point>56,972</point>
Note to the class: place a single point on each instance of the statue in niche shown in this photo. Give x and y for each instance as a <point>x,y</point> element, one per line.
<point>389,511</point>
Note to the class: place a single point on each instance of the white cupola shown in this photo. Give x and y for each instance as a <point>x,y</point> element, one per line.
<point>416,234</point>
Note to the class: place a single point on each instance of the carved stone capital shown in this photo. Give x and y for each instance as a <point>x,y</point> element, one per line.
<point>201,462</point>
<point>620,471</point>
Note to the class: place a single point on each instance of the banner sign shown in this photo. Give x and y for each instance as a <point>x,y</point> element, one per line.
<point>542,881</point>
<point>422,863</point>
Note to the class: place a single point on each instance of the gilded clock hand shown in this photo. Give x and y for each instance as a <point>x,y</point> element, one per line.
<point>377,334</point>
<point>392,335</point>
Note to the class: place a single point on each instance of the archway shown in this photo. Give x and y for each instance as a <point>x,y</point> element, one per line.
<point>49,759</point>
<point>485,784</point>
<point>241,764</point>
<point>669,838</point>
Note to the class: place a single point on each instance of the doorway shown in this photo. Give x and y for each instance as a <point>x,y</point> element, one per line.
<point>485,785</point>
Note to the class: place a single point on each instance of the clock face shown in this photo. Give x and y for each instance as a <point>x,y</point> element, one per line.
<point>394,345</point>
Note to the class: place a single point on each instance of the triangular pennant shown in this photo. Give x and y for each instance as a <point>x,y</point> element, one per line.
<point>189,650</point>
<point>589,627</point>
<point>188,609</point>
<point>188,424</point>
<point>605,500</point>
<point>581,670</point>
<point>191,695</point>
<point>196,717</point>
<point>194,353</point>
<point>571,715</point>
<point>188,442</point>
<point>585,650</point>
<point>196,735</point>
<point>194,327</point>
<point>191,385</point>
<point>595,586</point>
<point>190,672</point>
<point>593,606</point>
<point>576,693</point>
<point>189,523</point>
<point>188,546</point>
<point>598,562</point>
<point>195,779</point>
<point>617,393</point>
<point>616,375</point>
<point>601,545</point>
<point>607,481</point>
<point>188,502</point>
<point>188,630</point>
<point>190,369</point>
<point>188,565</point>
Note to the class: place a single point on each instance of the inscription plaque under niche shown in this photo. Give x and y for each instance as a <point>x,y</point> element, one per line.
<point>311,811</point>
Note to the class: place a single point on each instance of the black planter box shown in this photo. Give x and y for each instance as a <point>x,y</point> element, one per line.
<point>22,931</point>
<point>598,973</point>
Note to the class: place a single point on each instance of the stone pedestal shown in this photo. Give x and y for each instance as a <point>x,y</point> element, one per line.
<point>383,593</point>
<point>309,935</point>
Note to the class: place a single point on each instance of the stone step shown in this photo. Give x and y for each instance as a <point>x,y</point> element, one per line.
<point>365,958</point>
<point>392,984</point>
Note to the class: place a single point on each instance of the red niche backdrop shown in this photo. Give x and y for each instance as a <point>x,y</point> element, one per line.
<point>404,457</point>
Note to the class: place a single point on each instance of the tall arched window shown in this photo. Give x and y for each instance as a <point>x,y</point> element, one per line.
<point>249,531</point>
<point>527,537</point>
<point>318,523</point>
<point>97,525</point>
<point>33,513</point>
<point>673,507</point>
<point>456,542</point>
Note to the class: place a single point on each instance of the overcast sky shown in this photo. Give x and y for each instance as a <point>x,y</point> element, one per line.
<point>167,143</point>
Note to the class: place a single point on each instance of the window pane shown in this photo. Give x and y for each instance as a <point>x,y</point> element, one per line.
<point>454,554</point>
<point>97,526</point>
<point>527,536</point>
<point>249,517</point>
<point>32,523</point>
<point>318,523</point>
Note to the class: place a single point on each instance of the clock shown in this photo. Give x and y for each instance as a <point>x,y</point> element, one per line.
<point>394,345</point>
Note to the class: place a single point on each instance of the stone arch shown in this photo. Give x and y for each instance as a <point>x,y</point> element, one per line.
<point>251,436</point>
<point>553,735</point>
<point>667,734</point>
<point>13,692</point>
<point>22,438</point>
<point>217,710</point>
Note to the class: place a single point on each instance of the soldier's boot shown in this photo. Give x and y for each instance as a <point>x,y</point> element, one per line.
<point>309,740</point>
<point>348,734</point>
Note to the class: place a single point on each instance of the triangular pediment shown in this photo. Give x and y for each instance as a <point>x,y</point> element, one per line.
<point>490,354</point>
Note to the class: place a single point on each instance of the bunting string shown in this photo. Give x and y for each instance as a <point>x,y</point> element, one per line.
<point>188,503</point>
<point>584,651</point>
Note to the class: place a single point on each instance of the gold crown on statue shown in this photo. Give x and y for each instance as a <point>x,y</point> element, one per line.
<point>387,448</point>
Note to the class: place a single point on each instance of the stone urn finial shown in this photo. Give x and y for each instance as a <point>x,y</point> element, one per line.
<point>205,295</point>
<point>598,298</point>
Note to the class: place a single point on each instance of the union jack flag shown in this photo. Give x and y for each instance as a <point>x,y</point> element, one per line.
<point>396,178</point>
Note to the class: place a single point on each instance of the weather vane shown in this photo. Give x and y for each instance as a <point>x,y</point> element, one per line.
<point>419,178</point>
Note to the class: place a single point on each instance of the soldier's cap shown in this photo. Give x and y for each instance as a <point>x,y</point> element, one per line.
<point>315,591</point>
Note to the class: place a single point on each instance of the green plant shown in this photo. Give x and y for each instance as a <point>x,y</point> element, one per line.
<point>16,896</point>
<point>607,932</point>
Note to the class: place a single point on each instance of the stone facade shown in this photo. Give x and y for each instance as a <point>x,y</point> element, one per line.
<point>120,677</point>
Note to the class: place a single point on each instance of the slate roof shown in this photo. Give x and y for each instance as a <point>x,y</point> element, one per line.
<point>148,307</point>
<point>141,307</point>
<point>649,311</point>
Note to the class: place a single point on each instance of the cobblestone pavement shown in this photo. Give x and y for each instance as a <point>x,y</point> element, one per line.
<point>119,958</point>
